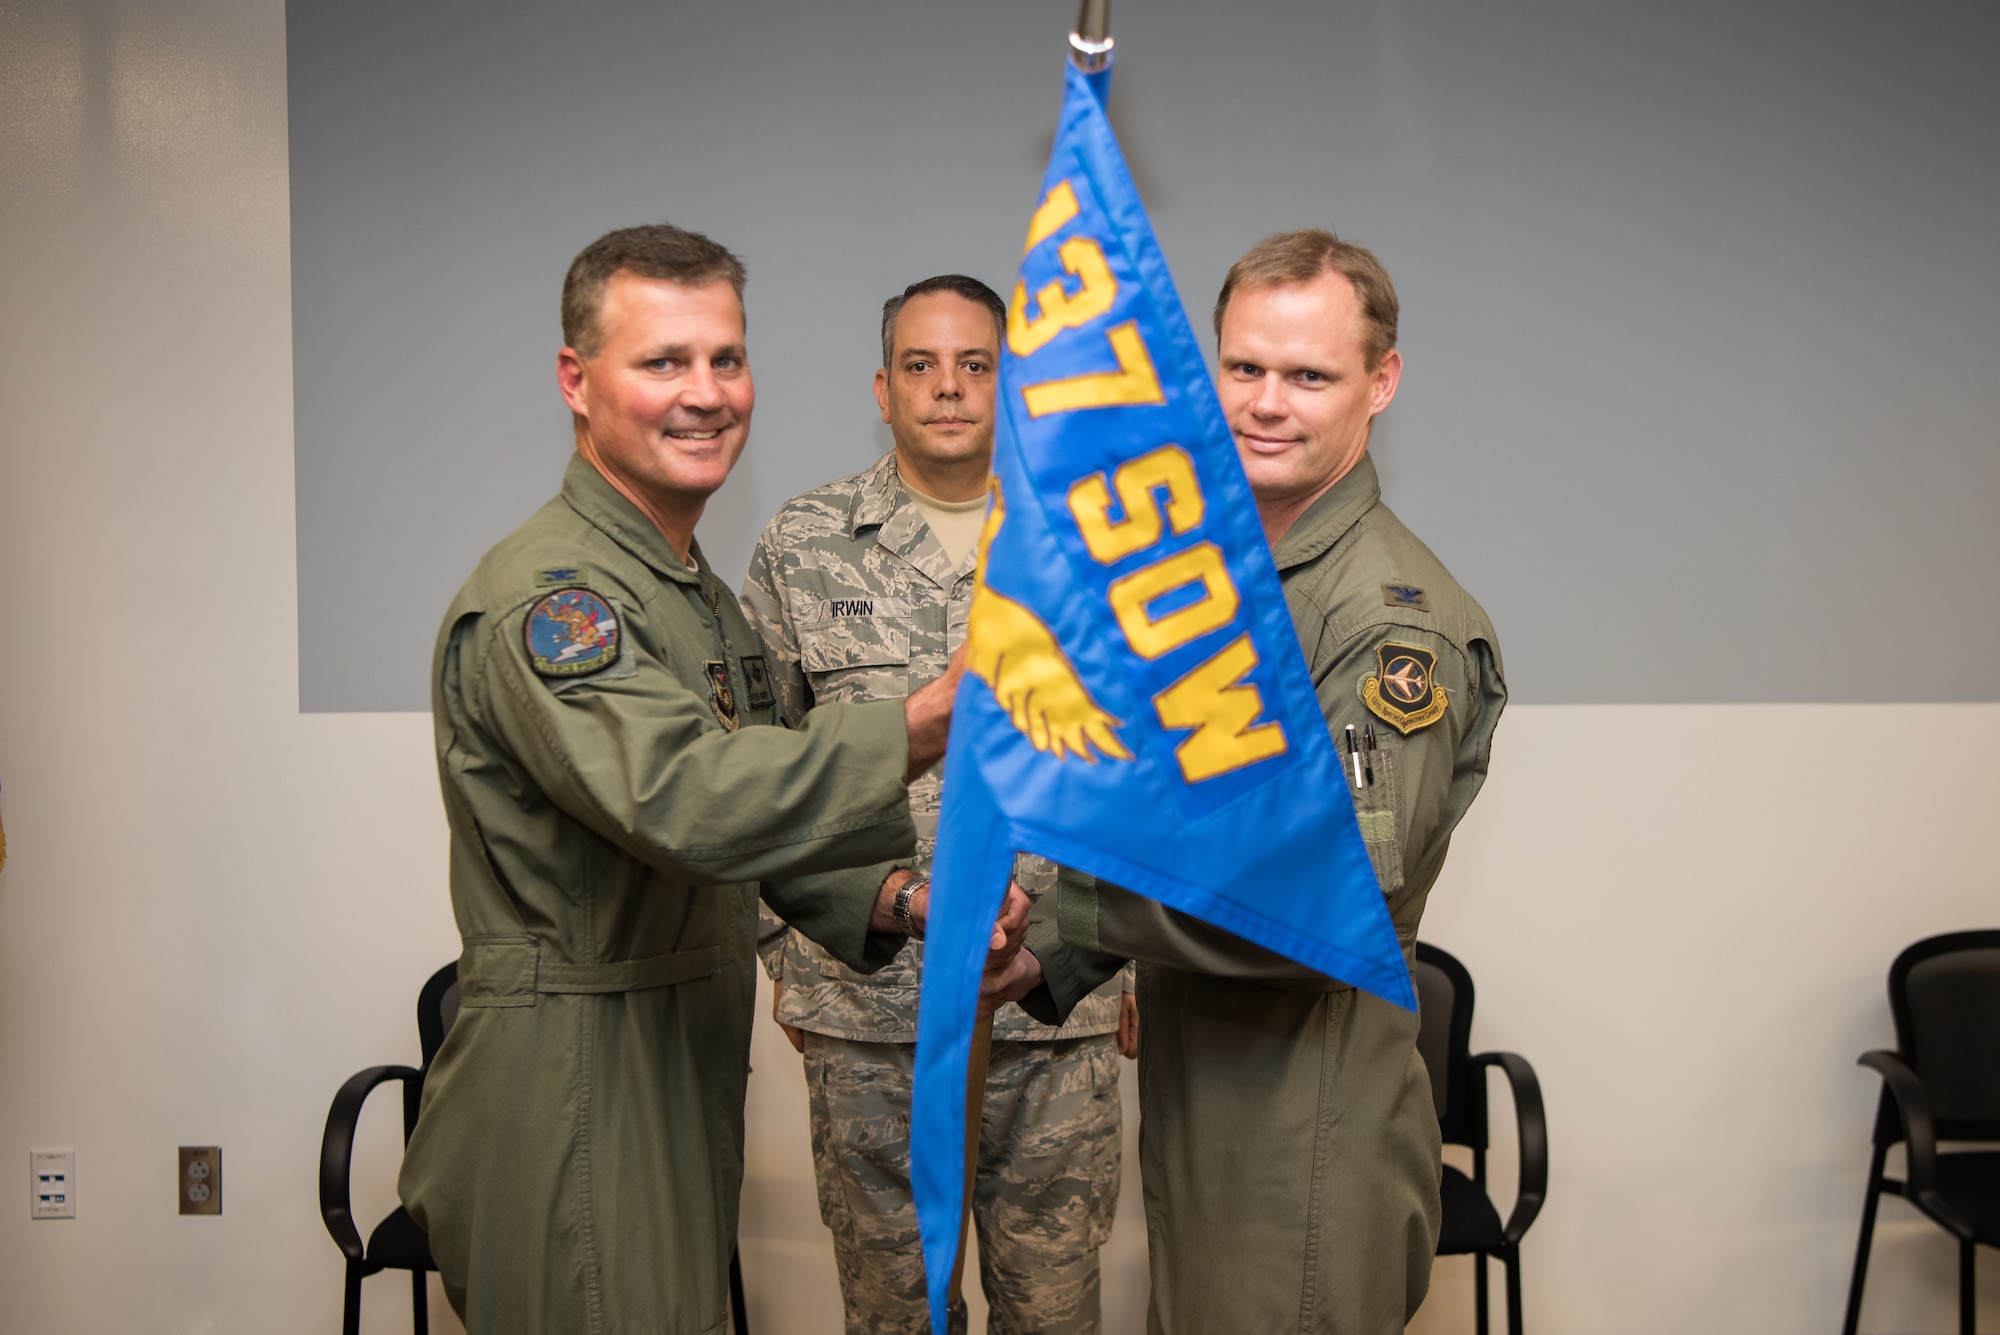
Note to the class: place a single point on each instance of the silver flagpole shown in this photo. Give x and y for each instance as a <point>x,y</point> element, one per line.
<point>1090,44</point>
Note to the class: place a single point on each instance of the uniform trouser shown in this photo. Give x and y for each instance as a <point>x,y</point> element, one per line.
<point>1046,1190</point>
<point>1289,1147</point>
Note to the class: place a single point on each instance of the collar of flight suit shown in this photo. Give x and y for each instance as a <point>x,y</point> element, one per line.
<point>882,503</point>
<point>591,495</point>
<point>1327,520</point>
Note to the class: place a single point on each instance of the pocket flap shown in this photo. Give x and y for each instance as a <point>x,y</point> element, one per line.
<point>853,642</point>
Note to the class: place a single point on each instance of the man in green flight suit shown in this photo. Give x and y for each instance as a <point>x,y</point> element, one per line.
<point>612,808</point>
<point>857,588</point>
<point>1288,1142</point>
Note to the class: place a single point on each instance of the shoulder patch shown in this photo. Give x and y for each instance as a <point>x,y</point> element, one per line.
<point>571,633</point>
<point>1405,595</point>
<point>1403,692</point>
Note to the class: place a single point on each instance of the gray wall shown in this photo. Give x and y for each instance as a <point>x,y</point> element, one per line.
<point>1701,301</point>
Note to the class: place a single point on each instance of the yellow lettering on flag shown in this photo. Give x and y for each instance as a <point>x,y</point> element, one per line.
<point>1057,207</point>
<point>1062,310</point>
<point>1221,711</point>
<point>1133,594</point>
<point>1111,541</point>
<point>1135,380</point>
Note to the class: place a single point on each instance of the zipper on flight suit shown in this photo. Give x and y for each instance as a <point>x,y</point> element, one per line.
<point>715,609</point>
<point>730,705</point>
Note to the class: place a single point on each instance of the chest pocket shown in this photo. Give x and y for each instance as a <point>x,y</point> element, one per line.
<point>854,658</point>
<point>1375,809</point>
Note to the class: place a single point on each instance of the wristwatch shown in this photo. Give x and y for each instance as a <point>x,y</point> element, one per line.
<point>901,908</point>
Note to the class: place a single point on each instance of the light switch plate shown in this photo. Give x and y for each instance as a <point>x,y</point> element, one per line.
<point>52,1184</point>
<point>201,1179</point>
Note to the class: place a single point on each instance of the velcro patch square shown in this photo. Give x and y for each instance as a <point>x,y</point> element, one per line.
<point>758,679</point>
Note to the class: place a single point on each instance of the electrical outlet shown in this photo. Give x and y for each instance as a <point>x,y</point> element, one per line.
<point>51,1184</point>
<point>201,1179</point>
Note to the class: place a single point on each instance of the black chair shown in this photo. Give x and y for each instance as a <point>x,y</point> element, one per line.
<point>1458,1088</point>
<point>397,1243</point>
<point>1942,1083</point>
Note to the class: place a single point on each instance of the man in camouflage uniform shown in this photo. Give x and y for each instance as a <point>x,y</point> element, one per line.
<point>1288,1140</point>
<point>860,589</point>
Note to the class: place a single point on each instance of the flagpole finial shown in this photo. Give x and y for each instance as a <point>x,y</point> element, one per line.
<point>1090,44</point>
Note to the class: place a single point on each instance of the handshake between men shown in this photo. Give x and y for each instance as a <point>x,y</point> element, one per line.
<point>927,716</point>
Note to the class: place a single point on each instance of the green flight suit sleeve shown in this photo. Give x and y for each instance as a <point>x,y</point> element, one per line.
<point>1072,966</point>
<point>1424,782</point>
<point>1098,925</point>
<point>833,909</point>
<point>640,760</point>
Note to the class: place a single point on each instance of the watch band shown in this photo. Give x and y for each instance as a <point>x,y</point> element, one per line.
<point>901,907</point>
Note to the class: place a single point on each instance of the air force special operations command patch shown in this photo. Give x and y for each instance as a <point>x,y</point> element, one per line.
<point>721,695</point>
<point>1403,691</point>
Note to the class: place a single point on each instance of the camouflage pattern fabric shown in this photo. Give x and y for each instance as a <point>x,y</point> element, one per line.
<point>1043,1201</point>
<point>855,600</point>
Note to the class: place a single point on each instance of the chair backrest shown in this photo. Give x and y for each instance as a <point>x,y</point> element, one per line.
<point>1944,992</point>
<point>1444,1040</point>
<point>437,1009</point>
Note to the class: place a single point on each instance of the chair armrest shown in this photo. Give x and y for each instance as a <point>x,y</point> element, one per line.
<point>1919,1137</point>
<point>336,1152</point>
<point>1533,1128</point>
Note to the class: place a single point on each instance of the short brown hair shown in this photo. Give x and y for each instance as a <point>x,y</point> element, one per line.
<point>655,250</point>
<point>957,284</point>
<point>1286,259</point>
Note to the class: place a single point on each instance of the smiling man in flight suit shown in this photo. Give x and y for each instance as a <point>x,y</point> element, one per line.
<point>613,810</point>
<point>1288,1142</point>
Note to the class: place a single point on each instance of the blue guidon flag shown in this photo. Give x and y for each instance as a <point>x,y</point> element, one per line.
<point>1135,704</point>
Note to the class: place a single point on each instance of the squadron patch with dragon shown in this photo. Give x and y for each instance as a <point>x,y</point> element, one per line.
<point>1403,691</point>
<point>571,633</point>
